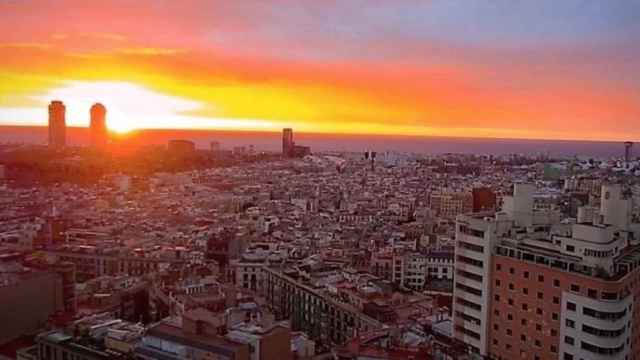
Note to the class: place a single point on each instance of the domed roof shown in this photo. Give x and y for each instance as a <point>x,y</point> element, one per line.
<point>98,108</point>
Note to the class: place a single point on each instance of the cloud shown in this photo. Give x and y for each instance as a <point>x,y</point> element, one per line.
<point>59,36</point>
<point>106,36</point>
<point>150,51</point>
<point>88,55</point>
<point>26,45</point>
<point>544,66</point>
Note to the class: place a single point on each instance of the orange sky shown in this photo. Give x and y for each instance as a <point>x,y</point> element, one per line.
<point>340,67</point>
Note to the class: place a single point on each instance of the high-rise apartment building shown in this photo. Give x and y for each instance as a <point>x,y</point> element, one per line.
<point>289,147</point>
<point>98,125</point>
<point>530,286</point>
<point>57,124</point>
<point>287,142</point>
<point>627,152</point>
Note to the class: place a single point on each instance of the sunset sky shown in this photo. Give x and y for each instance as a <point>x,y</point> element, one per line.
<point>552,69</point>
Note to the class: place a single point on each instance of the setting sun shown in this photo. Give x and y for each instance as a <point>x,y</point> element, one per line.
<point>129,107</point>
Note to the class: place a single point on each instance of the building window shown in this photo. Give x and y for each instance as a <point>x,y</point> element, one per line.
<point>498,283</point>
<point>554,349</point>
<point>509,332</point>
<point>498,267</point>
<point>554,332</point>
<point>525,307</point>
<point>496,297</point>
<point>556,282</point>
<point>523,322</point>
<point>571,248</point>
<point>538,327</point>
<point>511,302</point>
<point>469,261</point>
<point>538,343</point>
<point>611,316</point>
<point>601,350</point>
<point>523,338</point>
<point>511,286</point>
<point>575,288</point>
<point>554,316</point>
<point>570,323</point>
<point>468,289</point>
<point>509,316</point>
<point>603,333</point>
<point>539,311</point>
<point>540,295</point>
<point>525,291</point>
<point>592,293</point>
<point>512,271</point>
<point>541,278</point>
<point>567,357</point>
<point>556,300</point>
<point>571,306</point>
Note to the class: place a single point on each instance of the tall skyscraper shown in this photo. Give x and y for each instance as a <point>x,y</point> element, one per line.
<point>98,125</point>
<point>57,124</point>
<point>627,152</point>
<point>287,142</point>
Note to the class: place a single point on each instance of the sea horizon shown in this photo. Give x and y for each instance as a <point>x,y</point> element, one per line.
<point>322,142</point>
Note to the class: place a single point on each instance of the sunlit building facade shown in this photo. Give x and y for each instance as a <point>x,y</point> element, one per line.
<point>528,286</point>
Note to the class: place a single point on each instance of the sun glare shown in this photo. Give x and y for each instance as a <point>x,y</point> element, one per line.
<point>129,106</point>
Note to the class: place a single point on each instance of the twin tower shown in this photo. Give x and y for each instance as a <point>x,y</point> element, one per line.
<point>58,125</point>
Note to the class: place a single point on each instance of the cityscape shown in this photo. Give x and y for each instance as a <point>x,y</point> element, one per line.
<point>214,217</point>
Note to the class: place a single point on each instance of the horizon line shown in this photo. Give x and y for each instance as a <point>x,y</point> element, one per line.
<point>338,134</point>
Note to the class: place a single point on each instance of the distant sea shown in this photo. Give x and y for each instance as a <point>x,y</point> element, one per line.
<point>271,141</point>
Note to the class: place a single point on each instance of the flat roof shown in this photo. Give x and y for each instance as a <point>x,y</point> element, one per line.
<point>215,344</point>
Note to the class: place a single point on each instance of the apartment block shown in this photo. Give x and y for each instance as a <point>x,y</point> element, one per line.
<point>312,310</point>
<point>529,286</point>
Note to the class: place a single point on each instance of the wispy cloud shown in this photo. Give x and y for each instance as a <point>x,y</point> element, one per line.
<point>151,51</point>
<point>25,45</point>
<point>59,36</point>
<point>106,36</point>
<point>88,55</point>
